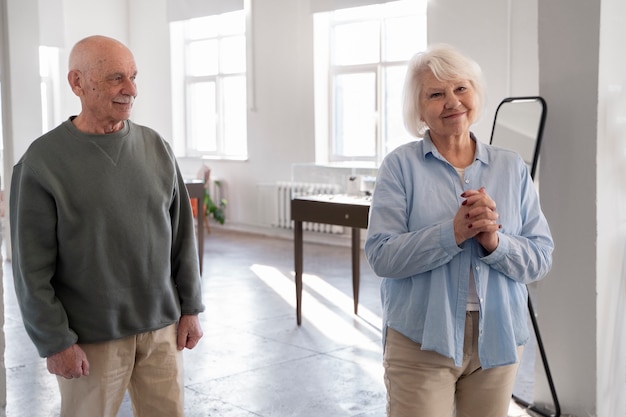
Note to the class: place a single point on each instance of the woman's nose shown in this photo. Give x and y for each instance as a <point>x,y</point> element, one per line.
<point>452,102</point>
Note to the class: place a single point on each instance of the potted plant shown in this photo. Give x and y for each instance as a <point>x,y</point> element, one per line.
<point>214,209</point>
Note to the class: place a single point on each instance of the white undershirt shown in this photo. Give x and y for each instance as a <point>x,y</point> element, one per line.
<point>472,296</point>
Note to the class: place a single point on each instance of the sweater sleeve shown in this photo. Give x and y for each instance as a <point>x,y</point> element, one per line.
<point>34,249</point>
<point>185,265</point>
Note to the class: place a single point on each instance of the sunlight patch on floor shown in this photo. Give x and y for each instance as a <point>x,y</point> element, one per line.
<point>517,411</point>
<point>337,322</point>
<point>338,298</point>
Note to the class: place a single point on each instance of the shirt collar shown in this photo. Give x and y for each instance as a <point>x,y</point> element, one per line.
<point>481,148</point>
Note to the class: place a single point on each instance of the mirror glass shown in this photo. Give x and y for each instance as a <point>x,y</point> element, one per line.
<point>518,125</point>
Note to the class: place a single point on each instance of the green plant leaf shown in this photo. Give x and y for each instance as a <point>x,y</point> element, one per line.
<point>214,211</point>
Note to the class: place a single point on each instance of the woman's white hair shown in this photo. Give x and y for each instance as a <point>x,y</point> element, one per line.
<point>446,64</point>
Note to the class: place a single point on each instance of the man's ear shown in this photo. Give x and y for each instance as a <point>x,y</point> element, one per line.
<point>75,78</point>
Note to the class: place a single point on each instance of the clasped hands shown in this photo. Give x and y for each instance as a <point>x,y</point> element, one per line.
<point>477,218</point>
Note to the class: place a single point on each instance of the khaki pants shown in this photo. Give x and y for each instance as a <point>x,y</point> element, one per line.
<point>424,383</point>
<point>147,364</point>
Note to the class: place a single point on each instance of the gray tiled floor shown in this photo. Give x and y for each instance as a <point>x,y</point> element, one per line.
<point>254,361</point>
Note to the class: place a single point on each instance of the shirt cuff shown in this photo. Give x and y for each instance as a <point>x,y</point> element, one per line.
<point>498,254</point>
<point>448,241</point>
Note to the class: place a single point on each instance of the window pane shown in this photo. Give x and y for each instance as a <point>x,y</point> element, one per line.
<point>233,55</point>
<point>215,86</point>
<point>235,113</point>
<point>356,43</point>
<point>394,132</point>
<point>202,27</point>
<point>202,117</point>
<point>404,8</point>
<point>404,36</point>
<point>232,23</point>
<point>355,115</point>
<point>44,106</point>
<point>360,13</point>
<point>365,115</point>
<point>201,58</point>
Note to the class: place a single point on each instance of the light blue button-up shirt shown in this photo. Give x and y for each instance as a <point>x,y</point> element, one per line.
<point>411,244</point>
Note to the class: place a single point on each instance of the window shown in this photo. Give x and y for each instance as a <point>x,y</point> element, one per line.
<point>361,55</point>
<point>209,86</point>
<point>49,75</point>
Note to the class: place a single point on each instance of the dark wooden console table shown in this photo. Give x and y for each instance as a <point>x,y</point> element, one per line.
<point>341,210</point>
<point>195,188</point>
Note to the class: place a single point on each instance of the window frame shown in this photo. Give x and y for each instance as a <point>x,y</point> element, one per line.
<point>326,103</point>
<point>49,58</point>
<point>182,81</point>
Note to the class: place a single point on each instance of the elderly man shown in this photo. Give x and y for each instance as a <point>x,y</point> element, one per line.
<point>104,258</point>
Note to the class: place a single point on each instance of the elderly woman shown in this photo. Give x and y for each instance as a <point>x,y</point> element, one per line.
<point>456,231</point>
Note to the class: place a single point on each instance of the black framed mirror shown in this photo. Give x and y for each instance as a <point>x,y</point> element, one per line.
<point>518,125</point>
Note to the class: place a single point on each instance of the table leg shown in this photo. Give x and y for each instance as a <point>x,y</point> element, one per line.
<point>356,266</point>
<point>297,236</point>
<point>200,220</point>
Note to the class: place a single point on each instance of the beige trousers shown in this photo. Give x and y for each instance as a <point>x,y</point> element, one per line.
<point>147,364</point>
<point>424,383</point>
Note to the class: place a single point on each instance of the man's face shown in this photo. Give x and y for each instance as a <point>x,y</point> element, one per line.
<point>109,88</point>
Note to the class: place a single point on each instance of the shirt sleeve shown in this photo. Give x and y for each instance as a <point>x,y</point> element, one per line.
<point>526,256</point>
<point>394,251</point>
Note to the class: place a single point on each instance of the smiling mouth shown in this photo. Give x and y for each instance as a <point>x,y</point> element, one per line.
<point>124,101</point>
<point>454,115</point>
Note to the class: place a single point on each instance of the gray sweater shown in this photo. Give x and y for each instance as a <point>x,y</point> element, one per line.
<point>103,237</point>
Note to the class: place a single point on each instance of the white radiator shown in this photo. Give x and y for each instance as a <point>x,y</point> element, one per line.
<point>276,201</point>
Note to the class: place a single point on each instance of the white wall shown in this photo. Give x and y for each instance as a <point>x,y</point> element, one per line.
<point>24,72</point>
<point>79,22</point>
<point>611,217</point>
<point>5,115</point>
<point>582,180</point>
<point>575,61</point>
<point>148,35</point>
<point>568,56</point>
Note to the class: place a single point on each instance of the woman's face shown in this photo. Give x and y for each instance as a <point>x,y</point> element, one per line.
<point>447,107</point>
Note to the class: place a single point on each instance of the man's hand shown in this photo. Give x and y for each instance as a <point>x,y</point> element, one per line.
<point>69,363</point>
<point>189,331</point>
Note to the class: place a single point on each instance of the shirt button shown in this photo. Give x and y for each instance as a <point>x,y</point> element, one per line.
<point>478,268</point>
<point>466,181</point>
